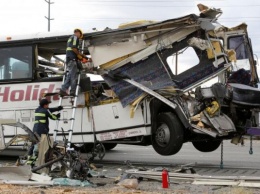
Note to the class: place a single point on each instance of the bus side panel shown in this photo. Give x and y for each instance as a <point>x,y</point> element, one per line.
<point>112,121</point>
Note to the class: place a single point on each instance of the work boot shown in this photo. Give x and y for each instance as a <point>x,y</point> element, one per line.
<point>63,93</point>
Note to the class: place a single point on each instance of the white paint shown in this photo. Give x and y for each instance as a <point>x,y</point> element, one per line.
<point>105,117</point>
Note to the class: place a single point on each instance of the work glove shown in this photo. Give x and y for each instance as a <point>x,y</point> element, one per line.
<point>58,115</point>
<point>60,108</point>
<point>79,56</point>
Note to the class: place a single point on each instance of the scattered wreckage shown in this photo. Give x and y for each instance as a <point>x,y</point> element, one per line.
<point>143,99</point>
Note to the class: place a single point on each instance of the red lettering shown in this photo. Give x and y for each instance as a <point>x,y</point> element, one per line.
<point>5,94</point>
<point>17,95</point>
<point>32,92</point>
<point>35,92</point>
<point>47,90</point>
<point>28,93</point>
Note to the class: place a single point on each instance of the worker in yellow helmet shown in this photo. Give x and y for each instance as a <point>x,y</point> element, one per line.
<point>72,56</point>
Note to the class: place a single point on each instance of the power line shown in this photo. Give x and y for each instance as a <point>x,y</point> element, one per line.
<point>155,6</point>
<point>122,3</point>
<point>158,19</point>
<point>49,14</point>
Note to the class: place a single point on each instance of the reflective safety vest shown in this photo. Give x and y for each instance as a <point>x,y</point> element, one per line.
<point>73,42</point>
<point>41,122</point>
<point>43,117</point>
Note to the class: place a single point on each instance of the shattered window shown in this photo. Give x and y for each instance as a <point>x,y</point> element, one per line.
<point>183,60</point>
<point>237,43</point>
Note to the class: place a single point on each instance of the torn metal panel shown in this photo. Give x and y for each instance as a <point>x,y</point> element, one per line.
<point>30,136</point>
<point>114,44</point>
<point>165,42</point>
<point>222,123</point>
<point>151,92</point>
<point>112,51</point>
<point>208,12</point>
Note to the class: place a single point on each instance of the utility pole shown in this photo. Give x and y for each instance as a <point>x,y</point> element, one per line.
<point>49,14</point>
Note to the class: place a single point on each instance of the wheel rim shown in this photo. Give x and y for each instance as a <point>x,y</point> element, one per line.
<point>162,135</point>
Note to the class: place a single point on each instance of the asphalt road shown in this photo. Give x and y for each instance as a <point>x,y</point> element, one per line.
<point>234,155</point>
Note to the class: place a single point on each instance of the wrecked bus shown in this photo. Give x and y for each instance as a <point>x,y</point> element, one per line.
<point>147,97</point>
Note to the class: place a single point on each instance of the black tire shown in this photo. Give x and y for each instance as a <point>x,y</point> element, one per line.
<point>87,147</point>
<point>207,146</point>
<point>83,148</point>
<point>109,146</point>
<point>167,138</point>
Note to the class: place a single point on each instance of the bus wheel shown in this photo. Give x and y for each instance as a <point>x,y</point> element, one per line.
<point>207,146</point>
<point>167,138</point>
<point>109,146</point>
<point>86,148</point>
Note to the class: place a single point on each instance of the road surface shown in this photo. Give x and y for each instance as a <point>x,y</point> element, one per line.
<point>234,155</point>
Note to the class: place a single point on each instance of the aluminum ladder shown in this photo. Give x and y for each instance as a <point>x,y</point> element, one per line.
<point>74,106</point>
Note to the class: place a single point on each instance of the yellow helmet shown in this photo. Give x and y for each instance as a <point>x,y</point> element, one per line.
<point>79,30</point>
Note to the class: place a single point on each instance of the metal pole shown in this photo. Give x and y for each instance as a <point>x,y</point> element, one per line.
<point>221,156</point>
<point>176,64</point>
<point>49,14</point>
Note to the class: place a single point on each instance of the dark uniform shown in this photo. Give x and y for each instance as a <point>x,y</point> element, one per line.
<point>71,61</point>
<point>41,123</point>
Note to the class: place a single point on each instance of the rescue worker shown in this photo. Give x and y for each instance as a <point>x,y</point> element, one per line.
<point>41,122</point>
<point>72,56</point>
<point>42,113</point>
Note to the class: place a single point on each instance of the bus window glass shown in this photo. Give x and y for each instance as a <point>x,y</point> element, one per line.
<point>16,63</point>
<point>237,43</point>
<point>186,59</point>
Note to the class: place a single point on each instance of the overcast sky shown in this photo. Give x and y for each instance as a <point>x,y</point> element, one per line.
<point>27,16</point>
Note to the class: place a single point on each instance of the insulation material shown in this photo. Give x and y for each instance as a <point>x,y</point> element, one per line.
<point>199,43</point>
<point>231,55</point>
<point>136,23</point>
<point>217,49</point>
